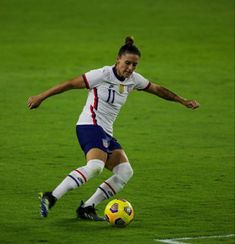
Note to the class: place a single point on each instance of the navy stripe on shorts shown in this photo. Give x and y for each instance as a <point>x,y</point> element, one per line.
<point>93,136</point>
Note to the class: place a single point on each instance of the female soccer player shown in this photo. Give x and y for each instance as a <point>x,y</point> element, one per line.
<point>108,89</point>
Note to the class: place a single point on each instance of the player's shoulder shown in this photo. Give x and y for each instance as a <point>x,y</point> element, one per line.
<point>104,71</point>
<point>107,69</point>
<point>107,73</point>
<point>99,73</point>
<point>137,76</point>
<point>140,82</point>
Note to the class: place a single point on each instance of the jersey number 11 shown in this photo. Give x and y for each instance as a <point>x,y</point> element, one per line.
<point>111,96</point>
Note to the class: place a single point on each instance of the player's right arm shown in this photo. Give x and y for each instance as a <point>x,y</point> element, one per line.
<point>76,83</point>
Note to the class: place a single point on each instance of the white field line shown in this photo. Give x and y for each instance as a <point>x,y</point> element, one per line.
<point>179,240</point>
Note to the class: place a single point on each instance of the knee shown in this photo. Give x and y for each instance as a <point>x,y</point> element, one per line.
<point>124,171</point>
<point>128,171</point>
<point>95,167</point>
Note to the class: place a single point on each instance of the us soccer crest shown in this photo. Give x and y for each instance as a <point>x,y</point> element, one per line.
<point>105,143</point>
<point>121,88</point>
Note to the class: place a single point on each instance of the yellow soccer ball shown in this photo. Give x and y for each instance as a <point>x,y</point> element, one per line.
<point>119,212</point>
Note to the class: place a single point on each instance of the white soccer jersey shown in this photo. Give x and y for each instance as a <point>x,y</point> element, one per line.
<point>107,94</point>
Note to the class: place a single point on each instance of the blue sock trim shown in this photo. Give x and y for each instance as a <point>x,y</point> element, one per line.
<point>106,194</point>
<point>74,179</point>
<point>80,181</point>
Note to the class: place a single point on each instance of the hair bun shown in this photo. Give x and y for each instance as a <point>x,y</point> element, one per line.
<point>129,40</point>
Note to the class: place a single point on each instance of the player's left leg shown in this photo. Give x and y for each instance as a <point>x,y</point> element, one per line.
<point>119,164</point>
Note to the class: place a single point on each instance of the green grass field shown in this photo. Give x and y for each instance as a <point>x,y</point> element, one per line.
<point>183,185</point>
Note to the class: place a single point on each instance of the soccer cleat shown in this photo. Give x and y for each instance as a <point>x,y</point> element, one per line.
<point>47,201</point>
<point>88,213</point>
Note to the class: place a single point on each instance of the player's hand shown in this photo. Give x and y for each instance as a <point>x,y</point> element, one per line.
<point>34,101</point>
<point>193,104</point>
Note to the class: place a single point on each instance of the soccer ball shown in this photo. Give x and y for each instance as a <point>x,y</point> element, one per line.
<point>119,212</point>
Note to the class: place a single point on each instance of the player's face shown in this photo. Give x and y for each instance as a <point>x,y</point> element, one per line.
<point>126,64</point>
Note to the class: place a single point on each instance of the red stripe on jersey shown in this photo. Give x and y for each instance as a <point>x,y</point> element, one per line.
<point>110,187</point>
<point>83,176</point>
<point>86,81</point>
<point>93,115</point>
<point>95,99</point>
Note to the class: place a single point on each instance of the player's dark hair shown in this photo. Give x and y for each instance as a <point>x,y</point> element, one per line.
<point>128,47</point>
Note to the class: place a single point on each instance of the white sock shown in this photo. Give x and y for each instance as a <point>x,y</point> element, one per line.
<point>122,173</point>
<point>79,177</point>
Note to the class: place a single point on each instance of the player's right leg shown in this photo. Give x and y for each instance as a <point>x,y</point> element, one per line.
<point>81,175</point>
<point>91,139</point>
<point>75,179</point>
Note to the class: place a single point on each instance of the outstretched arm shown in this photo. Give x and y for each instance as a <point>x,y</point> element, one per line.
<point>169,95</point>
<point>76,83</point>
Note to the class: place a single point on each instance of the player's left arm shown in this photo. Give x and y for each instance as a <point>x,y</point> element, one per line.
<point>170,96</point>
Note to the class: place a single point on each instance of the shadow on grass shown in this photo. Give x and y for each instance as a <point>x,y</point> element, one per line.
<point>83,225</point>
